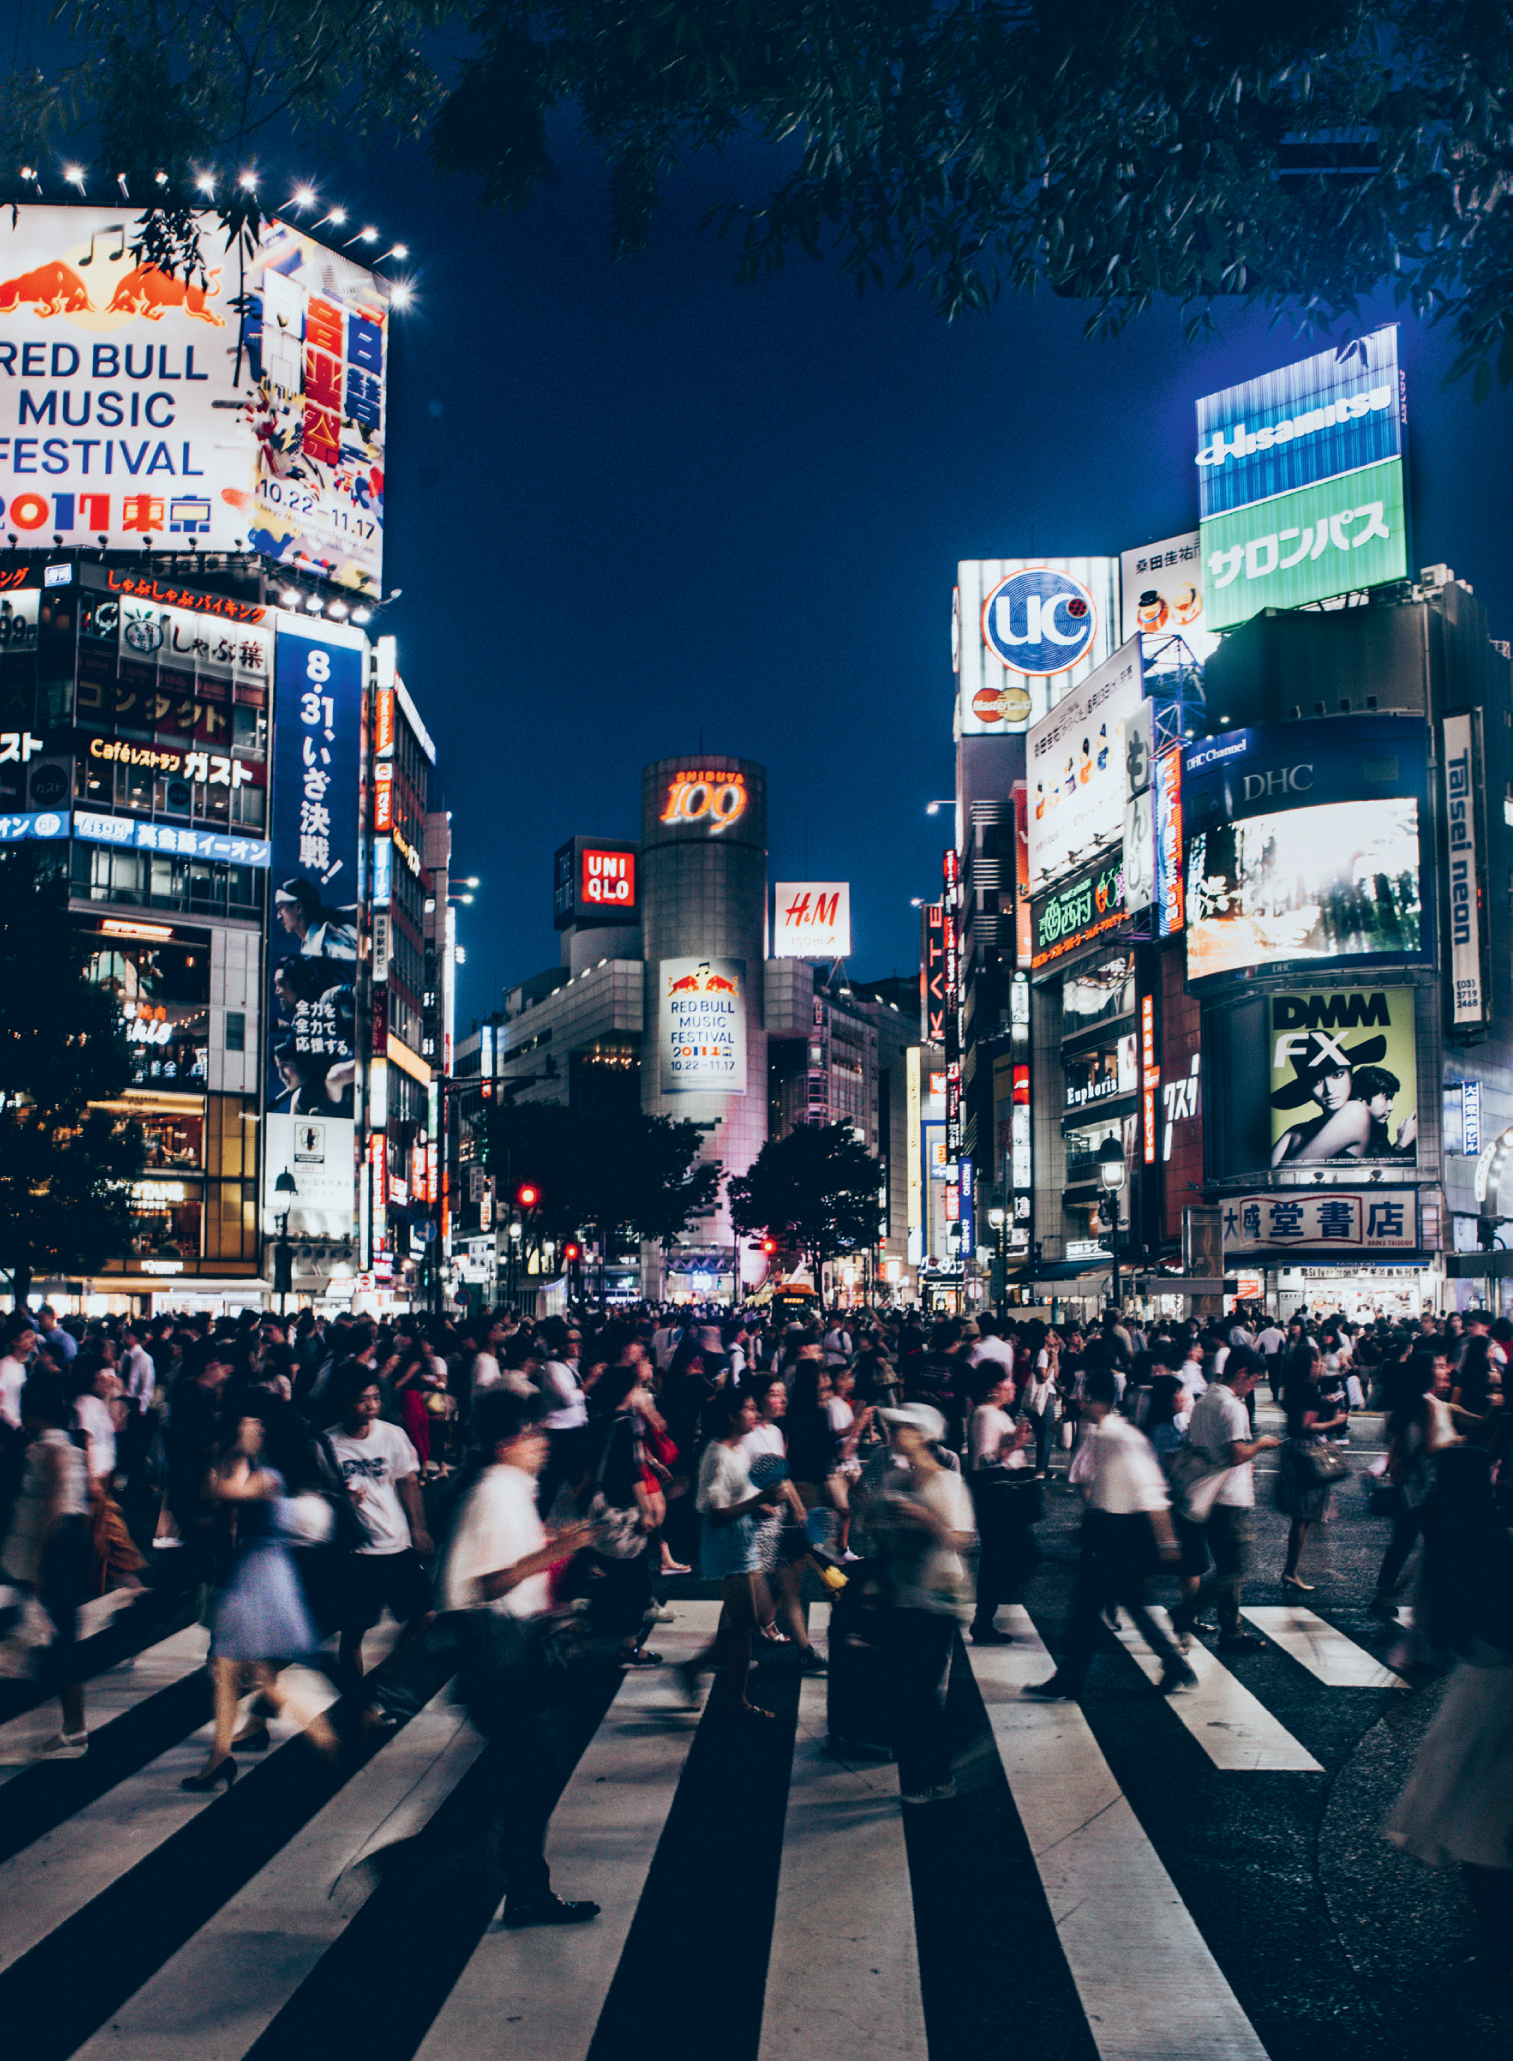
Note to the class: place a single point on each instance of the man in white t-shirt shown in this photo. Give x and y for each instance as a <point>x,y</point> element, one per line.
<point>990,1346</point>
<point>1220,1430</point>
<point>381,1470</point>
<point>1127,1514</point>
<point>499,1559</point>
<point>13,1370</point>
<point>566,1419</point>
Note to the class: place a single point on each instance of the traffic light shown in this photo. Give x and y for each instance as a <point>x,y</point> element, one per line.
<point>769,1245</point>
<point>527,1195</point>
<point>571,1252</point>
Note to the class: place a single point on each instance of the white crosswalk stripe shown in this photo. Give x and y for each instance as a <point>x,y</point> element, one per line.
<point>1148,1983</point>
<point>112,1695</point>
<point>843,1966</point>
<point>1234,1728</point>
<point>1323,1649</point>
<point>228,1983</point>
<point>551,1985</point>
<point>843,1975</point>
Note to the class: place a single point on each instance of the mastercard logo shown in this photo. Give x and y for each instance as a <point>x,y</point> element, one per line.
<point>1001,704</point>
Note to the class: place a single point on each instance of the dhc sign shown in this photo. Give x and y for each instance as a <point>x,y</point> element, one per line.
<point>1039,621</point>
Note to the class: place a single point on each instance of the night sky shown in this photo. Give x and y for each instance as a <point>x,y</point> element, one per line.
<point>632,504</point>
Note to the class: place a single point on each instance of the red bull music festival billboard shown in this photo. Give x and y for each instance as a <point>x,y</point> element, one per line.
<point>136,404</point>
<point>701,1026</point>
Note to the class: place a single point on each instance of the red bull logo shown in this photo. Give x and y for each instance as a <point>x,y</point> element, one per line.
<point>57,288</point>
<point>703,982</point>
<point>50,289</point>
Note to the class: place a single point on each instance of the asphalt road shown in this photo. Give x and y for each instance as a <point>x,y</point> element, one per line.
<point>1128,1882</point>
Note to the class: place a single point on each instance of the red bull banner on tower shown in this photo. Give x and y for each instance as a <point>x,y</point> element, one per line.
<point>701,1026</point>
<point>221,407</point>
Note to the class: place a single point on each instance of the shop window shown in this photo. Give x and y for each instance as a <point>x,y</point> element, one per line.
<point>230,1222</point>
<point>173,1141</point>
<point>165,1220</point>
<point>236,1030</point>
<point>163,994</point>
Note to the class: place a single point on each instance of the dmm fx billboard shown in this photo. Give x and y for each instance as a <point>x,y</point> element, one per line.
<point>1300,481</point>
<point>813,920</point>
<point>701,1026</point>
<point>1304,845</point>
<point>139,403</point>
<point>312,948</point>
<point>1022,631</point>
<point>1073,915</point>
<point>1468,985</point>
<point>1076,768</point>
<point>1344,1077</point>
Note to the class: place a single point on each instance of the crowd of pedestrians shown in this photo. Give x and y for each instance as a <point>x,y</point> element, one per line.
<point>300,1476</point>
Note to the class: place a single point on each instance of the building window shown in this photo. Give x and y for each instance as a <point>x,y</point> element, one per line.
<point>236,1030</point>
<point>163,994</point>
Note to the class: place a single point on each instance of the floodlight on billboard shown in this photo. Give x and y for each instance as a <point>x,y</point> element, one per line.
<point>813,920</point>
<point>229,410</point>
<point>1076,768</point>
<point>1023,630</point>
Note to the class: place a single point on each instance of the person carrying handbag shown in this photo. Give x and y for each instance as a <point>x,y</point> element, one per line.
<point>1308,1467</point>
<point>624,1517</point>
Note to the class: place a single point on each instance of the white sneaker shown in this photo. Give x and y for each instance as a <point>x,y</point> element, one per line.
<point>66,1746</point>
<point>662,1614</point>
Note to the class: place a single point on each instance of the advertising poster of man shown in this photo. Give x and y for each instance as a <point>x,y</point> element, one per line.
<point>1344,1084</point>
<point>312,953</point>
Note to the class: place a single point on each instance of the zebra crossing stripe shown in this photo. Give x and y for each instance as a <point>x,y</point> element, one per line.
<point>550,1983</point>
<point>227,1983</point>
<point>1325,1651</point>
<point>110,1695</point>
<point>843,1974</point>
<point>1234,1728</point>
<point>1146,1980</point>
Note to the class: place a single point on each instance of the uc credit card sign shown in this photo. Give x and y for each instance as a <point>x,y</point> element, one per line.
<point>701,1024</point>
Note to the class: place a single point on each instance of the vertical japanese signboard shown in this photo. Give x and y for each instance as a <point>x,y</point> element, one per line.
<point>1467,980</point>
<point>932,975</point>
<point>1139,824</point>
<point>312,952</point>
<point>1166,794</point>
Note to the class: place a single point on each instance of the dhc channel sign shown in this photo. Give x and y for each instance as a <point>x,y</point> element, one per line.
<point>1039,621</point>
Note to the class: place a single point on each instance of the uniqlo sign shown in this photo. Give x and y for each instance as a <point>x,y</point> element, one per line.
<point>607,881</point>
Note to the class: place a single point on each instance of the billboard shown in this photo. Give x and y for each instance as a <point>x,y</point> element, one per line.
<point>228,407</point>
<point>1023,630</point>
<point>1330,414</point>
<point>1076,767</point>
<point>1304,546</point>
<point>1344,1077</point>
<point>312,948</point>
<point>1469,996</point>
<point>813,920</point>
<point>1075,913</point>
<point>1139,814</point>
<point>1304,845</point>
<point>1163,597</point>
<point>594,882</point>
<point>932,974</point>
<point>701,1026</point>
<point>1382,1220</point>
<point>1166,810</point>
<point>1300,481</point>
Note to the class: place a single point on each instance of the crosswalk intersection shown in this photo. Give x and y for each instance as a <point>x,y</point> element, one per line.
<point>773,1887</point>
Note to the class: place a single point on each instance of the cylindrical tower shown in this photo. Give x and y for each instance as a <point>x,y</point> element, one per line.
<point>704,920</point>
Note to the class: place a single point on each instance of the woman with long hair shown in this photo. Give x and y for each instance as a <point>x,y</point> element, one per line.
<point>728,1549</point>
<point>620,1501</point>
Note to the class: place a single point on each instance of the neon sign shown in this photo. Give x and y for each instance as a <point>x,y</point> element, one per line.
<point>718,798</point>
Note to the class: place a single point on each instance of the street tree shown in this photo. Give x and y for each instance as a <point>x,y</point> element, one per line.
<point>816,1189</point>
<point>66,1163</point>
<point>1115,151</point>
<point>611,1174</point>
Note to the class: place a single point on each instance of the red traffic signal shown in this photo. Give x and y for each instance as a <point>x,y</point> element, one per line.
<point>571,1252</point>
<point>769,1245</point>
<point>527,1195</point>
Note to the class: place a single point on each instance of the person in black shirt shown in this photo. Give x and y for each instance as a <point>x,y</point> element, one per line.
<point>1310,1415</point>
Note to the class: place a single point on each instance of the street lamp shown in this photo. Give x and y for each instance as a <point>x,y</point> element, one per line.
<point>934,808</point>
<point>998,1217</point>
<point>284,1191</point>
<point>1111,1180</point>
